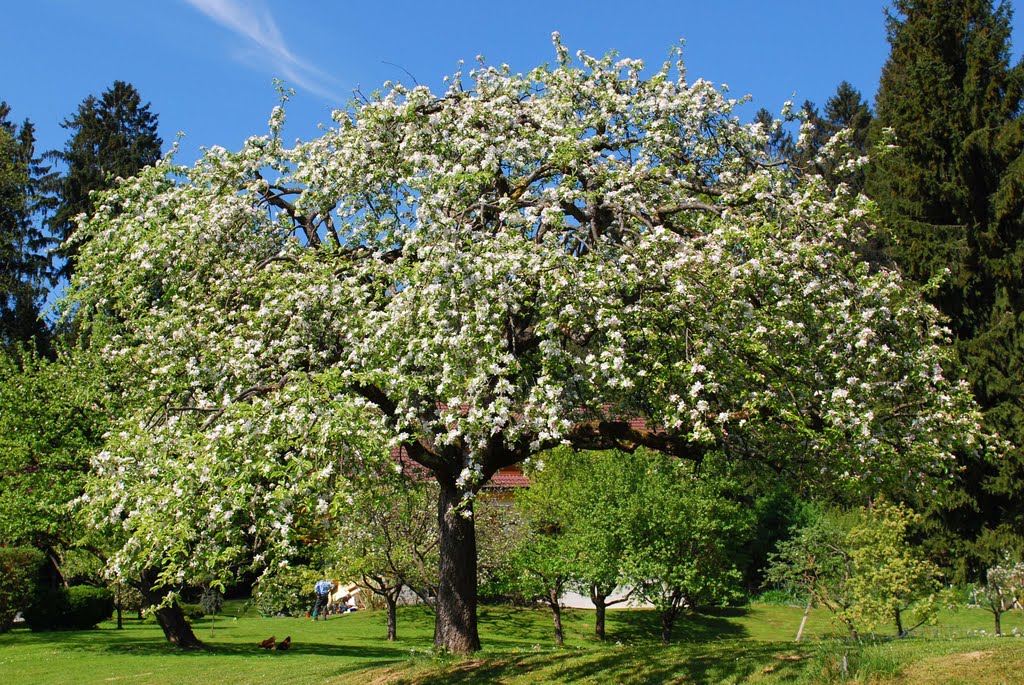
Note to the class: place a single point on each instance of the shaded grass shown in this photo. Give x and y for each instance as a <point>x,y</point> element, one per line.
<point>751,645</point>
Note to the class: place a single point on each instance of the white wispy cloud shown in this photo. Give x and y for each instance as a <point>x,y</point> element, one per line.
<point>254,22</point>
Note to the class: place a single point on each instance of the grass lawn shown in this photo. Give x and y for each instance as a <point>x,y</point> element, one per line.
<point>751,645</point>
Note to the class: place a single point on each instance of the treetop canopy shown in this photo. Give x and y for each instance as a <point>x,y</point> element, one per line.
<point>480,275</point>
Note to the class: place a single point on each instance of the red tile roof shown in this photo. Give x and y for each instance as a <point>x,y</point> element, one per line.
<point>507,479</point>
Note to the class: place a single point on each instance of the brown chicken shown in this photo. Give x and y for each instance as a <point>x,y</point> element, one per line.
<point>285,643</point>
<point>268,643</point>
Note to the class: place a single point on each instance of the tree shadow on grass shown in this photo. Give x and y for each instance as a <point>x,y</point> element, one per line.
<point>107,642</point>
<point>515,625</point>
<point>644,625</point>
<point>722,662</point>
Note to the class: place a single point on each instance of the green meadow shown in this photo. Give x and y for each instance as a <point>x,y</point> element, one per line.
<point>748,645</point>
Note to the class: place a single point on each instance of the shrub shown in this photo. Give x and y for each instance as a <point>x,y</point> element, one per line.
<point>77,608</point>
<point>88,606</point>
<point>192,610</point>
<point>781,597</point>
<point>288,591</point>
<point>49,609</point>
<point>19,574</point>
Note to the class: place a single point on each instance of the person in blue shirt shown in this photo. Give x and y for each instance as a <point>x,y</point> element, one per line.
<point>323,590</point>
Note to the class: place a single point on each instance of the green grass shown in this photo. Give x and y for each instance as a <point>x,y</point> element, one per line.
<point>751,645</point>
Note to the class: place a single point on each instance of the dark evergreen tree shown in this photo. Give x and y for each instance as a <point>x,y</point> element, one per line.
<point>779,146</point>
<point>112,136</point>
<point>952,195</point>
<point>819,133</point>
<point>848,109</point>
<point>844,110</point>
<point>24,256</point>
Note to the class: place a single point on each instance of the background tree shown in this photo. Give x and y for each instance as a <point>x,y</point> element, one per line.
<point>892,581</point>
<point>386,540</point>
<point>52,419</point>
<point>24,260</point>
<point>845,110</point>
<point>576,255</point>
<point>685,531</point>
<point>779,144</point>
<point>952,200</point>
<point>860,565</point>
<point>113,136</point>
<point>777,511</point>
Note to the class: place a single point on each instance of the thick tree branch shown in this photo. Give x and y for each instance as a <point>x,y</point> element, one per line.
<point>601,434</point>
<point>277,199</point>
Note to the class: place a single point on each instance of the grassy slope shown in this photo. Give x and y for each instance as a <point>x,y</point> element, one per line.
<point>748,646</point>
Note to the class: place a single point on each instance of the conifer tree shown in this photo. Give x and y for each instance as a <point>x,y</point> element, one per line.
<point>779,145</point>
<point>112,136</point>
<point>951,195</point>
<point>844,110</point>
<point>848,109</point>
<point>24,260</point>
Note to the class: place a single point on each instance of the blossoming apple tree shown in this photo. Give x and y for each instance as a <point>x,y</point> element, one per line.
<point>524,261</point>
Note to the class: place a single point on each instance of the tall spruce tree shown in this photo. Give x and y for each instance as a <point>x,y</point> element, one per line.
<point>952,195</point>
<point>24,259</point>
<point>112,136</point>
<point>844,110</point>
<point>779,145</point>
<point>847,109</point>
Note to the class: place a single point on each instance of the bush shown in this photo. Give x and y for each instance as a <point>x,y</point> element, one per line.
<point>191,610</point>
<point>19,575</point>
<point>288,591</point>
<point>783,598</point>
<point>88,606</point>
<point>77,608</point>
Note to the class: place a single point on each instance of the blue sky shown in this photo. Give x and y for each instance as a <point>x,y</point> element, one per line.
<point>207,65</point>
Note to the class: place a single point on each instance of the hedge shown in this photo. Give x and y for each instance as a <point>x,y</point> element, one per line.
<point>76,608</point>
<point>19,577</point>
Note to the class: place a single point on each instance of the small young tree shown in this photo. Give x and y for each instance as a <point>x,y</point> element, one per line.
<point>386,538</point>
<point>603,484</point>
<point>684,531</point>
<point>816,560</point>
<point>211,601</point>
<point>890,578</point>
<point>541,566</point>
<point>1003,589</point>
<point>861,567</point>
<point>546,557</point>
<point>590,494</point>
